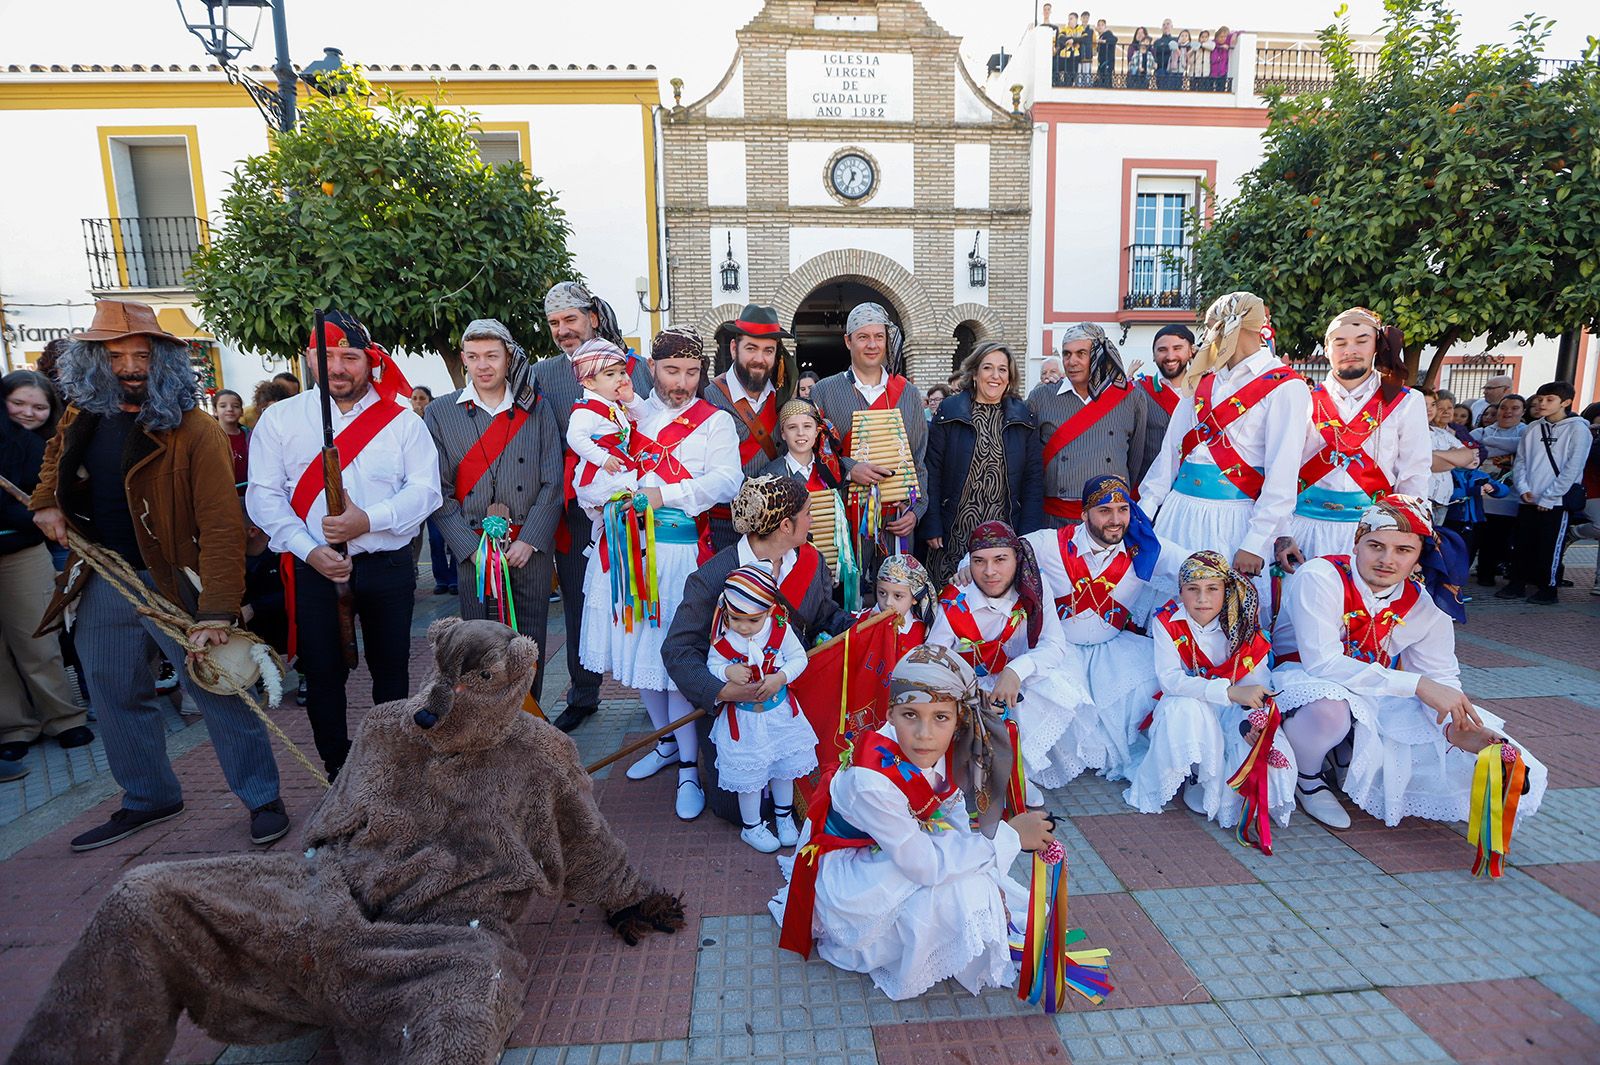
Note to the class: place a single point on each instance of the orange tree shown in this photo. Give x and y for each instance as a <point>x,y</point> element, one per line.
<point>385,210</point>
<point>1456,193</point>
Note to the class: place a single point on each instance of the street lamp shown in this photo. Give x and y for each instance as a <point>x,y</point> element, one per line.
<point>730,268</point>
<point>977,265</point>
<point>214,24</point>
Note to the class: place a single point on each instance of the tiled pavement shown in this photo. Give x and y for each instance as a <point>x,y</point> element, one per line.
<point>1374,945</point>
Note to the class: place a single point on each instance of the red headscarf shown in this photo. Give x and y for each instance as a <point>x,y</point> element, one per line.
<point>1028,583</point>
<point>344,330</point>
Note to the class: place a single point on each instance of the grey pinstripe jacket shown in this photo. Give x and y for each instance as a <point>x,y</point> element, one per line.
<point>526,477</point>
<point>838,400</point>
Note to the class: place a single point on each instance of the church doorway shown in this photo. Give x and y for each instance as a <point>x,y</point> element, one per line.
<point>819,324</point>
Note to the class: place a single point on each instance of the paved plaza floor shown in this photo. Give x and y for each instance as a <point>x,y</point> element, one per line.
<point>1373,945</point>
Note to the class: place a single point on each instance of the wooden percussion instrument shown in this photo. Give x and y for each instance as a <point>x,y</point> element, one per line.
<point>879,437</point>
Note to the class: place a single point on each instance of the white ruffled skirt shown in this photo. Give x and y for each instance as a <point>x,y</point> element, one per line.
<point>1319,539</point>
<point>633,659</point>
<point>775,744</point>
<point>1122,692</point>
<point>1191,736</point>
<point>1054,715</point>
<point>1400,763</point>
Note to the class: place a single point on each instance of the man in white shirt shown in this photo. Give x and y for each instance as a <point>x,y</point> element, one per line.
<point>1367,438</point>
<point>1550,460</point>
<point>751,390</point>
<point>1363,652</point>
<point>391,486</point>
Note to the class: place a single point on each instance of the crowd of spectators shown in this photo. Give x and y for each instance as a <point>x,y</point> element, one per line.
<point>1086,52</point>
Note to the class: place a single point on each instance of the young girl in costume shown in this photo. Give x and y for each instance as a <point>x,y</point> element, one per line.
<point>905,589</point>
<point>903,869</point>
<point>602,420</point>
<point>768,741</point>
<point>1211,662</point>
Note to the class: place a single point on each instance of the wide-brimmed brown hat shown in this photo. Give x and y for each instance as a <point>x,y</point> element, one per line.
<point>115,319</point>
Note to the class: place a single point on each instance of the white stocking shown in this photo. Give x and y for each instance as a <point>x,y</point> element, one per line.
<point>688,739</point>
<point>1314,730</point>
<point>783,796</point>
<point>655,704</point>
<point>750,808</point>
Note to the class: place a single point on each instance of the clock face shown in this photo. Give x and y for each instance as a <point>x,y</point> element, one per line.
<point>852,176</point>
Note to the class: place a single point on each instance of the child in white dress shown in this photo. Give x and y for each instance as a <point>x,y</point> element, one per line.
<point>768,742</point>
<point>903,869</point>
<point>601,424</point>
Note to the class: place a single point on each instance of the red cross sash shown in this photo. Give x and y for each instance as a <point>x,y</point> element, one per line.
<point>1235,667</point>
<point>1086,418</point>
<point>769,659</point>
<point>986,657</point>
<point>491,445</point>
<point>1366,636</point>
<point>658,456</point>
<point>794,586</point>
<point>1343,443</point>
<point>1092,594</point>
<point>1212,422</point>
<point>1163,394</point>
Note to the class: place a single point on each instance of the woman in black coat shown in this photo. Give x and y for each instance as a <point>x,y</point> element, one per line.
<point>984,460</point>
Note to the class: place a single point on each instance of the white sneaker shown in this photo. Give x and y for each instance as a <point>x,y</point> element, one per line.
<point>1194,799</point>
<point>691,800</point>
<point>1323,806</point>
<point>652,763</point>
<point>788,834</point>
<point>761,838</point>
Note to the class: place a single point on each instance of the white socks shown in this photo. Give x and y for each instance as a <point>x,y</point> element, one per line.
<point>1314,730</point>
<point>665,708</point>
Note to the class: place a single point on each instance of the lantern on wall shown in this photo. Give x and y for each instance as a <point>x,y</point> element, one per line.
<point>977,265</point>
<point>730,268</point>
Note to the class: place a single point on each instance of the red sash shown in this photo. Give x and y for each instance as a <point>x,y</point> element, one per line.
<point>759,427</point>
<point>350,441</point>
<point>986,657</point>
<point>657,456</point>
<point>794,586</point>
<point>1365,635</point>
<point>584,472</point>
<point>1167,396</point>
<point>1065,509</point>
<point>1235,667</point>
<point>491,445</point>
<point>888,400</point>
<point>1212,422</point>
<point>1343,442</point>
<point>915,636</point>
<point>1087,417</point>
<point>1096,595</point>
<point>830,833</point>
<point>769,658</point>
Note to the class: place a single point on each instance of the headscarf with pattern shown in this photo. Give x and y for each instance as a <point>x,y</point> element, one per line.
<point>566,295</point>
<point>681,342</point>
<point>762,503</point>
<point>906,570</point>
<point>1444,559</point>
<point>981,755</point>
<point>519,370</point>
<point>1228,318</point>
<point>594,355</point>
<point>1390,342</point>
<point>1105,361</point>
<point>1028,583</point>
<point>863,314</point>
<point>1141,542</point>
<point>747,590</point>
<point>1241,605</point>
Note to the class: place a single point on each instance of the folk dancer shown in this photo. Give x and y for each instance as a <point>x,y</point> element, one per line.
<point>756,384</point>
<point>904,589</point>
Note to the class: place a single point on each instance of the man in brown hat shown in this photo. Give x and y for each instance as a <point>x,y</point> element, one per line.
<point>756,383</point>
<point>138,468</point>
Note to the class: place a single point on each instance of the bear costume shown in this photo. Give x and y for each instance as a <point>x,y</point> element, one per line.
<point>394,928</point>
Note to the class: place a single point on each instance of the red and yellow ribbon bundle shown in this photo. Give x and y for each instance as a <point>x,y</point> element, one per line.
<point>628,542</point>
<point>1250,779</point>
<point>1049,969</point>
<point>1496,787</point>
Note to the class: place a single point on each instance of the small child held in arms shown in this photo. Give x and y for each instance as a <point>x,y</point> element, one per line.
<point>768,741</point>
<point>799,425</point>
<point>1211,661</point>
<point>904,588</point>
<point>602,420</point>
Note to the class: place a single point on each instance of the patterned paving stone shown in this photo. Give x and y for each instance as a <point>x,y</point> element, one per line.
<point>1302,851</point>
<point>1552,716</point>
<point>1391,934</point>
<point>1166,850</point>
<point>1145,970</point>
<point>1412,846</point>
<point>1191,1034</point>
<point>1524,681</point>
<point>1474,654</point>
<point>1582,989</point>
<point>293,1052</point>
<point>604,1054</point>
<point>1354,1026</point>
<point>1566,829</point>
<point>617,723</point>
<point>1243,942</point>
<point>740,971</point>
<point>1030,1040</point>
<point>1551,935</point>
<point>1087,872</point>
<point>1508,1020</point>
<point>1087,796</point>
<point>1579,881</point>
<point>1573,759</point>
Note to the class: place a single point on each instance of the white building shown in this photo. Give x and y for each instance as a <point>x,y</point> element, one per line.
<point>126,166</point>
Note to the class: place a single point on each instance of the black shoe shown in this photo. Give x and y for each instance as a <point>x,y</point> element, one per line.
<point>1565,583</point>
<point>123,824</point>
<point>1486,580</point>
<point>268,823</point>
<point>13,752</point>
<point>442,589</point>
<point>1512,591</point>
<point>300,693</point>
<point>80,736</point>
<point>573,716</point>
<point>1544,597</point>
<point>12,771</point>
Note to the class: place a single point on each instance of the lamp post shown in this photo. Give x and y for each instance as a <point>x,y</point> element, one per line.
<point>213,23</point>
<point>730,268</point>
<point>977,265</point>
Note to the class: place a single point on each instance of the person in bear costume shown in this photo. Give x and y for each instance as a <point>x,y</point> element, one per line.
<point>393,928</point>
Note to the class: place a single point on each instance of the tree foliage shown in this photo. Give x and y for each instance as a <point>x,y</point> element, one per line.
<point>1456,193</point>
<point>385,210</point>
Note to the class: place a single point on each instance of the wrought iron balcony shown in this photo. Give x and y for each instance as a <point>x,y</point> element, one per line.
<point>129,253</point>
<point>1116,69</point>
<point>1297,70</point>
<point>1161,276</point>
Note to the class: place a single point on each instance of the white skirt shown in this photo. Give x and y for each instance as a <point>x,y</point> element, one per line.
<point>1319,539</point>
<point>1400,763</point>
<point>870,918</point>
<point>774,744</point>
<point>1122,692</point>
<point>633,659</point>
<point>1053,713</point>
<point>1191,736</point>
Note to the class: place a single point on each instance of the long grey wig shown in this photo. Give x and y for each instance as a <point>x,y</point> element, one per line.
<point>88,383</point>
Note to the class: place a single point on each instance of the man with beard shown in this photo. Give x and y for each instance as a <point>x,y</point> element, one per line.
<point>1172,349</point>
<point>391,486</point>
<point>752,390</point>
<point>1368,438</point>
<point>499,455</point>
<point>1091,424</point>
<point>138,468</point>
<point>686,455</point>
<point>574,316</point>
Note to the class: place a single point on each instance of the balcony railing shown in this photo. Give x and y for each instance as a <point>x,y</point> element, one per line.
<point>1161,276</point>
<point>141,252</point>
<point>1296,70</point>
<point>1117,69</point>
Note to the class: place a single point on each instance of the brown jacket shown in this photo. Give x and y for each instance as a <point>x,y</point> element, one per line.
<point>186,513</point>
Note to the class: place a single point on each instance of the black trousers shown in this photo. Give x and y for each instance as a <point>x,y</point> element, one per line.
<point>384,584</point>
<point>530,592</point>
<point>1495,542</point>
<point>571,565</point>
<point>1539,537</point>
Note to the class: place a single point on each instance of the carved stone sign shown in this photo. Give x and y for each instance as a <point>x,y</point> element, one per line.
<point>850,86</point>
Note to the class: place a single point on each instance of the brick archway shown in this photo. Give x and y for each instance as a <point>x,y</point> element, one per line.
<point>987,322</point>
<point>724,312</point>
<point>923,345</point>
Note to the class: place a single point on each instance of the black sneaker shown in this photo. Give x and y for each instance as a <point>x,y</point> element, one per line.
<point>268,823</point>
<point>123,824</point>
<point>1544,597</point>
<point>12,771</point>
<point>75,737</point>
<point>1512,591</point>
<point>573,716</point>
<point>300,692</point>
<point>13,752</point>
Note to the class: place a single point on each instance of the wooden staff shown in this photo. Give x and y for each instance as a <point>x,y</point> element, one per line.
<point>693,715</point>
<point>333,491</point>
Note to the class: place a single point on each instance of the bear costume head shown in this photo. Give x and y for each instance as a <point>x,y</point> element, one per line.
<point>475,699</point>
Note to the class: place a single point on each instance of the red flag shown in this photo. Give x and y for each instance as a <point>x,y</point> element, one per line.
<point>844,690</point>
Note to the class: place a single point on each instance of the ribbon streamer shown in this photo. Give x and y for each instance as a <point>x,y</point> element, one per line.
<point>1250,780</point>
<point>1496,786</point>
<point>1049,969</point>
<point>493,575</point>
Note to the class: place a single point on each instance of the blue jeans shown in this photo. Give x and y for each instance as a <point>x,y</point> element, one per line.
<point>444,569</point>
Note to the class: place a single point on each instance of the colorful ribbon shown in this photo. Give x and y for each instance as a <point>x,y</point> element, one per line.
<point>628,540</point>
<point>1250,779</point>
<point>1496,787</point>
<point>493,575</point>
<point>1049,969</point>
